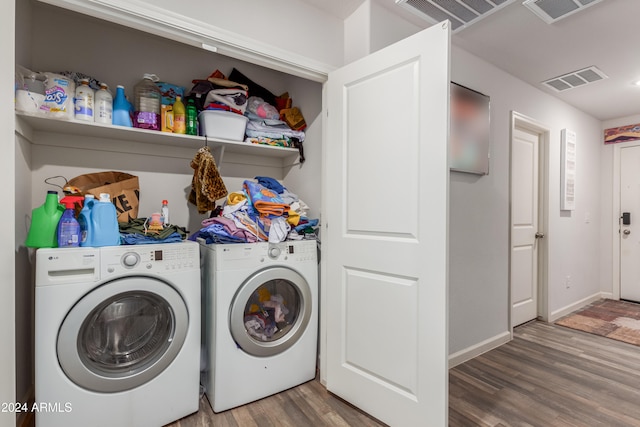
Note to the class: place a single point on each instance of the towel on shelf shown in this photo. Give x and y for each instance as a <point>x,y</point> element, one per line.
<point>207,185</point>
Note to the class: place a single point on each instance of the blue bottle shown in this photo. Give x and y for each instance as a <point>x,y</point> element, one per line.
<point>104,220</point>
<point>84,219</point>
<point>68,227</point>
<point>121,109</point>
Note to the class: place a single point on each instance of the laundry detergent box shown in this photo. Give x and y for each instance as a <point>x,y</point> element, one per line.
<point>58,96</point>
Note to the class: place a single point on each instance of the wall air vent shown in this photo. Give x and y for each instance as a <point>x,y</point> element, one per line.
<point>551,11</point>
<point>575,79</point>
<point>461,13</point>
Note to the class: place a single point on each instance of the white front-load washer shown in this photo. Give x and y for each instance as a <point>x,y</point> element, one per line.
<point>117,335</point>
<point>260,327</point>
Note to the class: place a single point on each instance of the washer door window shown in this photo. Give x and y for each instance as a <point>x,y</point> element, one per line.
<point>122,334</point>
<point>270,311</point>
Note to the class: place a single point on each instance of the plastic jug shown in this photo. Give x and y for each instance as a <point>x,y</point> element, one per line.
<point>84,219</point>
<point>165,213</point>
<point>84,101</point>
<point>44,223</point>
<point>147,98</point>
<point>68,227</point>
<point>179,116</point>
<point>103,112</point>
<point>192,118</point>
<point>104,222</point>
<point>121,109</point>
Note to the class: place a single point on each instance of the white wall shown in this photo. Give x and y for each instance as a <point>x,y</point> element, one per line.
<point>372,27</point>
<point>287,24</point>
<point>8,245</point>
<point>479,226</point>
<point>609,221</point>
<point>387,28</point>
<point>357,37</point>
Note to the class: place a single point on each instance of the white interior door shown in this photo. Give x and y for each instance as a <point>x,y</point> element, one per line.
<point>525,149</point>
<point>629,234</point>
<point>386,231</point>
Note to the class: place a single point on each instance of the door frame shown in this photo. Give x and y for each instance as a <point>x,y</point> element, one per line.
<point>615,217</point>
<point>527,123</point>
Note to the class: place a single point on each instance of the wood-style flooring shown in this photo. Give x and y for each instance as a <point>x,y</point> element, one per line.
<point>307,405</point>
<point>547,376</point>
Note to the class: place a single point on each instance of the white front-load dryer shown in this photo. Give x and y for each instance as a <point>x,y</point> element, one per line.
<point>260,329</point>
<point>117,335</point>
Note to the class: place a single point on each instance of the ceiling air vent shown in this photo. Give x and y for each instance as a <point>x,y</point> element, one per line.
<point>461,13</point>
<point>575,79</point>
<point>551,11</point>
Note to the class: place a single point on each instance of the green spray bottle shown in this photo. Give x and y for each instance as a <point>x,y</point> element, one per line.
<point>44,223</point>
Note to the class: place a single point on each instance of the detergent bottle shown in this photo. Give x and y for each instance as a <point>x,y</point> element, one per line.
<point>147,97</point>
<point>104,222</point>
<point>121,109</point>
<point>84,219</point>
<point>84,101</point>
<point>44,223</point>
<point>191,118</point>
<point>103,112</point>
<point>179,116</point>
<point>165,213</point>
<point>68,226</point>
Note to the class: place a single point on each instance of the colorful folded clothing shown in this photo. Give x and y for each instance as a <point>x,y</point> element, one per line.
<point>273,129</point>
<point>235,98</point>
<point>285,142</point>
<point>270,183</point>
<point>136,226</point>
<point>140,239</point>
<point>264,201</point>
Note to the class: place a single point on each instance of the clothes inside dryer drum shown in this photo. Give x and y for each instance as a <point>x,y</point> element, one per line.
<point>272,310</point>
<point>131,329</point>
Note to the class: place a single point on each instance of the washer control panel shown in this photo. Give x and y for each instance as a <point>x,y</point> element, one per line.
<point>151,258</point>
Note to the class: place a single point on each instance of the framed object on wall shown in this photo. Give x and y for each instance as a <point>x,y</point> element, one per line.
<point>470,131</point>
<point>622,134</point>
<point>568,170</point>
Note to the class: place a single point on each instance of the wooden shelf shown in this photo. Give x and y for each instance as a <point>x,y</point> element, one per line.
<point>97,130</point>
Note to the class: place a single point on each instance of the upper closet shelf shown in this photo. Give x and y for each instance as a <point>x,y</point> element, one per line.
<point>119,133</point>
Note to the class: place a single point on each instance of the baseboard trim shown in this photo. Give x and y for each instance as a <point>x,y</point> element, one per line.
<point>476,350</point>
<point>25,419</point>
<point>557,314</point>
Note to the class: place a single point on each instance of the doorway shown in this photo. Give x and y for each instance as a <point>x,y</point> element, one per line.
<point>626,217</point>
<point>528,213</point>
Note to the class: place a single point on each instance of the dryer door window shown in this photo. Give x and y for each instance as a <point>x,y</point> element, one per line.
<point>122,334</point>
<point>270,311</point>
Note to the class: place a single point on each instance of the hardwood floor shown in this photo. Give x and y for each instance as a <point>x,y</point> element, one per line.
<point>547,376</point>
<point>307,405</point>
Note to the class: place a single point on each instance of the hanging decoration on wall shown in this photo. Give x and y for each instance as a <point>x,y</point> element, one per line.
<point>470,131</point>
<point>622,134</point>
<point>568,171</point>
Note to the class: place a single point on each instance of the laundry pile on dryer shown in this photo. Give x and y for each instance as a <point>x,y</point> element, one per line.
<point>264,210</point>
